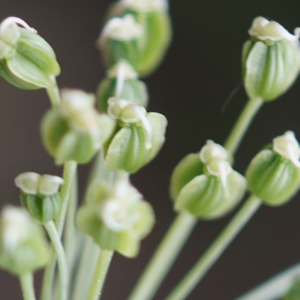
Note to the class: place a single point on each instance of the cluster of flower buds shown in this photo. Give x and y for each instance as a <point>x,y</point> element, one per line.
<point>139,31</point>
<point>205,185</point>
<point>116,217</point>
<point>274,173</point>
<point>27,61</point>
<point>23,245</point>
<point>74,130</point>
<point>271,59</point>
<point>39,195</point>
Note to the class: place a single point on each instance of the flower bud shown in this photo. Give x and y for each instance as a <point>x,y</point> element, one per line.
<point>140,138</point>
<point>23,246</point>
<point>119,40</point>
<point>155,21</point>
<point>274,175</point>
<point>116,217</point>
<point>193,165</point>
<point>39,195</point>
<point>27,61</point>
<point>73,130</point>
<point>271,60</point>
<point>122,83</point>
<point>214,193</point>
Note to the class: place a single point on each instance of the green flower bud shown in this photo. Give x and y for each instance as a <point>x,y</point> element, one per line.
<point>119,40</point>
<point>122,83</point>
<point>271,60</point>
<point>39,195</point>
<point>193,165</point>
<point>27,61</point>
<point>73,130</point>
<point>23,246</point>
<point>140,138</point>
<point>116,218</point>
<point>274,175</point>
<point>214,193</point>
<point>153,16</point>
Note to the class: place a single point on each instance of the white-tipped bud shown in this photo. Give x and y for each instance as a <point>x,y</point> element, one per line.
<point>212,151</point>
<point>121,29</point>
<point>288,147</point>
<point>266,30</point>
<point>35,184</point>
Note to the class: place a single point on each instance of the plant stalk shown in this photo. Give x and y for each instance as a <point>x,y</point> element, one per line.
<point>53,94</point>
<point>163,258</point>
<point>103,263</point>
<point>242,124</point>
<point>26,281</point>
<point>194,276</point>
<point>61,258</point>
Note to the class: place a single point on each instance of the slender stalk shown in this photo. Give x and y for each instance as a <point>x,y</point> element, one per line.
<point>68,176</point>
<point>275,287</point>
<point>242,124</point>
<point>100,274</point>
<point>85,269</point>
<point>26,281</point>
<point>163,258</point>
<point>61,258</point>
<point>194,276</point>
<point>53,94</point>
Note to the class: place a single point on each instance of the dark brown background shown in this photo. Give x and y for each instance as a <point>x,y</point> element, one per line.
<point>198,74</point>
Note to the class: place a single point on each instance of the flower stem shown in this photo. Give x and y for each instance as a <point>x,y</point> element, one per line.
<point>26,281</point>
<point>216,249</point>
<point>242,124</point>
<point>100,274</point>
<point>163,258</point>
<point>61,258</point>
<point>53,94</point>
<point>68,176</point>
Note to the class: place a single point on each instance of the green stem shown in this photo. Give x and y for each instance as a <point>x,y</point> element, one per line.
<point>53,94</point>
<point>68,176</point>
<point>275,287</point>
<point>26,281</point>
<point>100,274</point>
<point>216,249</point>
<point>242,124</point>
<point>163,258</point>
<point>61,258</point>
<point>85,269</point>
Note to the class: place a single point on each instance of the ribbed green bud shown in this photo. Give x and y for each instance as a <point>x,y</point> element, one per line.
<point>154,18</point>
<point>73,130</point>
<point>39,195</point>
<point>140,138</point>
<point>23,246</point>
<point>116,217</point>
<point>193,165</point>
<point>293,293</point>
<point>122,82</point>
<point>27,61</point>
<point>271,60</point>
<point>214,193</point>
<point>119,40</point>
<point>274,175</point>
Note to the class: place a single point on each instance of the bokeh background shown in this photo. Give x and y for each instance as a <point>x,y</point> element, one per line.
<point>199,73</point>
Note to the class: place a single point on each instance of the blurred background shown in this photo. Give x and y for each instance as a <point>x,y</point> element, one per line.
<point>201,69</point>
